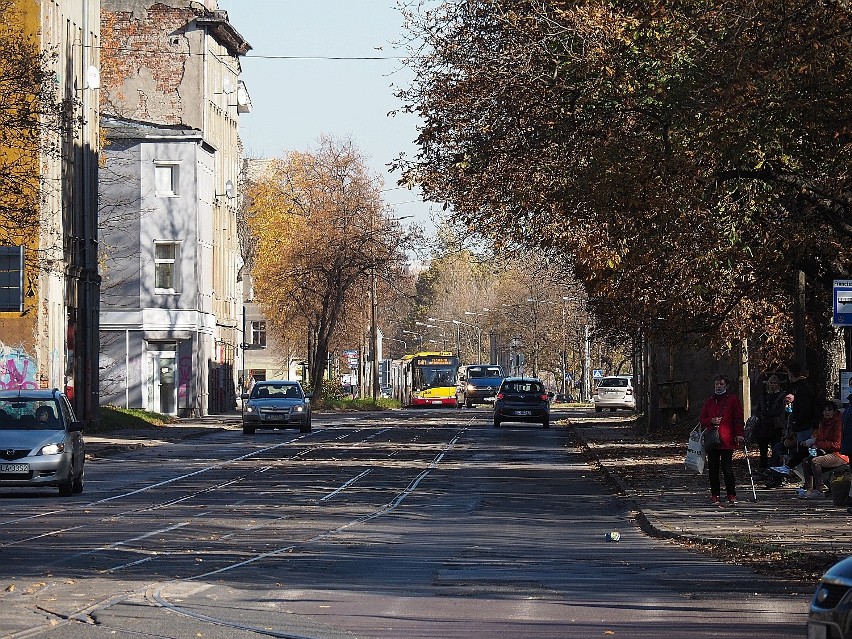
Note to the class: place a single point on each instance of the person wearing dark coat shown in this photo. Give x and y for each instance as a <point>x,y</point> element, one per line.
<point>769,429</point>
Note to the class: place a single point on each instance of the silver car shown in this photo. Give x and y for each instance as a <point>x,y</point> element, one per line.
<point>276,404</point>
<point>41,442</point>
<point>830,615</point>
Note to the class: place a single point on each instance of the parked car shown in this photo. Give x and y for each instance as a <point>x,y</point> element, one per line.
<point>276,404</point>
<point>41,441</point>
<point>477,384</point>
<point>521,399</point>
<point>830,614</point>
<point>615,392</point>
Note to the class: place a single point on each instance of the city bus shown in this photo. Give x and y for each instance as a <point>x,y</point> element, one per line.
<point>425,379</point>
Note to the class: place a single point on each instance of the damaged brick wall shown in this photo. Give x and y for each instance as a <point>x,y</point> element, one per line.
<point>147,65</point>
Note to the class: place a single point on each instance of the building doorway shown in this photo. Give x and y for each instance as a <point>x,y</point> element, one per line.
<point>162,377</point>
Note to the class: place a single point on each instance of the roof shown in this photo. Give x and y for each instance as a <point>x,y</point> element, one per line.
<point>221,29</point>
<point>123,128</point>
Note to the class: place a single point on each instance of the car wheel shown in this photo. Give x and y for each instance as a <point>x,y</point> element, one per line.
<point>305,428</point>
<point>496,423</point>
<point>468,404</point>
<point>66,488</point>
<point>598,409</point>
<point>77,483</point>
<point>248,430</point>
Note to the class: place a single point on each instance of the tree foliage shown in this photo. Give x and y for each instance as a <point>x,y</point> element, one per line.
<point>686,156</point>
<point>33,117</point>
<point>320,231</point>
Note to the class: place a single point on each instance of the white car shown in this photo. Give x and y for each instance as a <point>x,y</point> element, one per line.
<point>614,392</point>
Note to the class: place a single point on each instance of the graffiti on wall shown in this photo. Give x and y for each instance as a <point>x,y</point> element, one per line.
<point>17,369</point>
<point>184,380</point>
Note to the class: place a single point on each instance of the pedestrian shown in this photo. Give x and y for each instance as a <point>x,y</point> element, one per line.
<point>805,414</point>
<point>822,452</point>
<point>723,412</point>
<point>770,420</point>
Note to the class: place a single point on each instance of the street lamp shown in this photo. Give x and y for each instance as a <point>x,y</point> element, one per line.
<point>417,335</point>
<point>458,333</point>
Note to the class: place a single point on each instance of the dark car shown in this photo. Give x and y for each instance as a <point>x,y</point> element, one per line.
<point>830,616</point>
<point>276,404</point>
<point>522,399</point>
<point>477,384</point>
<point>41,441</point>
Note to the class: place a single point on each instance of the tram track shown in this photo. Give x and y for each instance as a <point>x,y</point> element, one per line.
<point>161,598</point>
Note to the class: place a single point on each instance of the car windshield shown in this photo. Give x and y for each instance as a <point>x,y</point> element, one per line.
<point>29,414</point>
<point>524,387</point>
<point>484,371</point>
<point>276,391</point>
<point>615,382</point>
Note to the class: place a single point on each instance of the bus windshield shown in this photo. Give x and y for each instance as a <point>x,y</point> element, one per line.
<point>432,377</point>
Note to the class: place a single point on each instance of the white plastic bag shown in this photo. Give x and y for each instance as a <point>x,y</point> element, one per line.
<point>695,454</point>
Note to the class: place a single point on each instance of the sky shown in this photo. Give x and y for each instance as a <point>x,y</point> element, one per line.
<point>298,94</point>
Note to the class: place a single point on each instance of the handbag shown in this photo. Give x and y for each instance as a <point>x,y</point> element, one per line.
<point>695,452</point>
<point>711,439</point>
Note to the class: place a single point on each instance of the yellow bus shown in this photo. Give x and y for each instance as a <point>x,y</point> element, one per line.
<point>425,379</point>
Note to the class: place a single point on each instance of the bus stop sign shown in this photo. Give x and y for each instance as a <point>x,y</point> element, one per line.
<point>842,303</point>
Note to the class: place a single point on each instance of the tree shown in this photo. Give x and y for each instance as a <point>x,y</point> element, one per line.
<point>321,235</point>
<point>685,156</point>
<point>33,120</point>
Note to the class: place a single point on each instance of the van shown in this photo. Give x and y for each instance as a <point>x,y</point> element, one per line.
<point>477,384</point>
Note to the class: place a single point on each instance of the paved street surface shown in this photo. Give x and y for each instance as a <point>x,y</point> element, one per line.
<point>396,524</point>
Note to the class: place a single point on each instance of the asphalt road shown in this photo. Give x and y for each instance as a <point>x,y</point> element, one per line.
<point>403,524</point>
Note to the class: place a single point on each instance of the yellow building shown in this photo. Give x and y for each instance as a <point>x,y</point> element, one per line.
<point>49,283</point>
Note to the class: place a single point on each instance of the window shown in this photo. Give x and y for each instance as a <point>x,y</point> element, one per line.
<point>166,266</point>
<point>11,278</point>
<point>166,179</point>
<point>258,334</point>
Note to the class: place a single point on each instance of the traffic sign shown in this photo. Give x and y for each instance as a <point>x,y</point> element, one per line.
<point>597,373</point>
<point>842,296</point>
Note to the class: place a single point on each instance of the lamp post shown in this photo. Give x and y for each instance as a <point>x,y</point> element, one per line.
<point>419,336</point>
<point>478,338</point>
<point>458,332</point>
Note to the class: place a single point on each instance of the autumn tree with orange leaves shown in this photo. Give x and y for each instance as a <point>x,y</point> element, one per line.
<point>687,157</point>
<point>319,233</point>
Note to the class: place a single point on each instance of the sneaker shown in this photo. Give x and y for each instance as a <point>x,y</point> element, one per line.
<point>714,499</point>
<point>815,494</point>
<point>781,470</point>
<point>801,493</point>
<point>732,499</point>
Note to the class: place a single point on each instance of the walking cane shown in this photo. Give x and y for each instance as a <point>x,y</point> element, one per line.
<point>750,476</point>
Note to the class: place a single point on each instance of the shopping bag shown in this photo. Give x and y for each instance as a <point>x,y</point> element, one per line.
<point>695,452</point>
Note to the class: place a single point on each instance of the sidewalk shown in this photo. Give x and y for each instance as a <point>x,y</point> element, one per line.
<point>105,444</point>
<point>672,503</point>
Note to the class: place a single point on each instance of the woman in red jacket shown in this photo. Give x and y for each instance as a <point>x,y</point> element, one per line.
<point>823,452</point>
<point>724,412</point>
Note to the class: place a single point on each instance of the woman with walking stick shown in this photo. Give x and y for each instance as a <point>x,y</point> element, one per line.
<point>722,420</point>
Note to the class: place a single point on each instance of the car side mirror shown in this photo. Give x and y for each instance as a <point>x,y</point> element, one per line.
<point>75,427</point>
<point>244,396</point>
<point>309,395</point>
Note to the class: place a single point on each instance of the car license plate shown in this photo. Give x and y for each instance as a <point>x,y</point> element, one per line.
<point>14,468</point>
<point>523,412</point>
<point>817,631</point>
<point>437,401</point>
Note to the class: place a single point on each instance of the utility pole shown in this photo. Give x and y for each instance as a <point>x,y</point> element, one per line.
<point>374,337</point>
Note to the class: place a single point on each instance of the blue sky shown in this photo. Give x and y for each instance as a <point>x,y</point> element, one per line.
<point>297,100</point>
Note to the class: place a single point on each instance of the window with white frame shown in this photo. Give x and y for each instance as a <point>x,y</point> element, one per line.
<point>258,334</point>
<point>166,256</point>
<point>166,179</point>
<point>11,278</point>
